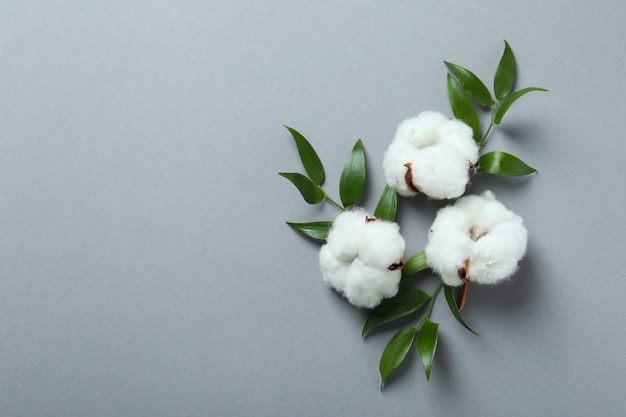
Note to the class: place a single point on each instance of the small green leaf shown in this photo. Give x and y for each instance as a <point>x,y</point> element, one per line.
<point>507,102</point>
<point>427,344</point>
<point>462,108</point>
<point>505,73</point>
<point>312,193</point>
<point>447,290</point>
<point>315,230</point>
<point>311,162</point>
<point>415,264</point>
<point>352,179</point>
<point>395,352</point>
<point>404,303</point>
<point>471,84</point>
<point>387,205</point>
<point>503,163</point>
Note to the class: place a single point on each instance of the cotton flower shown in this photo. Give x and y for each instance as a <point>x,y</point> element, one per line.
<point>476,240</point>
<point>362,258</point>
<point>430,154</point>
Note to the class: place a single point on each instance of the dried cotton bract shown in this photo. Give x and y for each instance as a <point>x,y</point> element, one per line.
<point>431,154</point>
<point>477,239</point>
<point>362,258</point>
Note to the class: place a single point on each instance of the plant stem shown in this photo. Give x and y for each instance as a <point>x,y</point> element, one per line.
<point>463,296</point>
<point>430,305</point>
<point>339,206</point>
<point>491,124</point>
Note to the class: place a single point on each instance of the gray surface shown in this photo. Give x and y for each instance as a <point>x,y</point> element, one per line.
<point>145,269</point>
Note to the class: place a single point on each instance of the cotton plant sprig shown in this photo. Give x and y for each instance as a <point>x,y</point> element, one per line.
<point>475,239</point>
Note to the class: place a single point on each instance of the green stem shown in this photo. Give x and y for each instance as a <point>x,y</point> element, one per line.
<point>491,124</point>
<point>430,305</point>
<point>327,197</point>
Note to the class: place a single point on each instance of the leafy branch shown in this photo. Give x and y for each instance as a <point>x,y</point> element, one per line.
<point>467,94</point>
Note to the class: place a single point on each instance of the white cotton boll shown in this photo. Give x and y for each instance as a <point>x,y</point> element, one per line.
<point>421,131</point>
<point>440,172</point>
<point>496,254</point>
<point>471,203</point>
<point>365,282</point>
<point>449,244</point>
<point>398,154</point>
<point>334,272</point>
<point>366,286</point>
<point>433,153</point>
<point>343,235</point>
<point>446,252</point>
<point>480,235</point>
<point>486,212</point>
<point>380,244</point>
<point>461,136</point>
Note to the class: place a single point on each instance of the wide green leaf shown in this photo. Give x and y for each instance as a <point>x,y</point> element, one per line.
<point>416,263</point>
<point>505,73</point>
<point>404,303</point>
<point>352,180</point>
<point>471,84</point>
<point>311,193</point>
<point>308,156</point>
<point>509,100</point>
<point>427,344</point>
<point>315,230</point>
<point>462,108</point>
<point>395,352</point>
<point>447,290</point>
<point>502,163</point>
<point>387,205</point>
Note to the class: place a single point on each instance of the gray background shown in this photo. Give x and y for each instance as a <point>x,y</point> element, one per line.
<point>145,267</point>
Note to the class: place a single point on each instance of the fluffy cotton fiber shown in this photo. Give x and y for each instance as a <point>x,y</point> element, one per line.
<point>477,239</point>
<point>430,154</point>
<point>361,258</point>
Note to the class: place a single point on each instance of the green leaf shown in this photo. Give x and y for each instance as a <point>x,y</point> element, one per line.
<point>316,230</point>
<point>415,264</point>
<point>308,156</point>
<point>471,84</point>
<point>387,205</point>
<point>507,102</point>
<point>447,290</point>
<point>352,179</point>
<point>312,193</point>
<point>427,344</point>
<point>395,352</point>
<point>505,73</point>
<point>462,108</point>
<point>404,303</point>
<point>503,163</point>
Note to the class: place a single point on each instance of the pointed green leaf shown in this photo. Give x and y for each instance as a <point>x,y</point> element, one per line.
<point>427,344</point>
<point>462,108</point>
<point>387,205</point>
<point>352,179</point>
<point>503,163</point>
<point>404,303</point>
<point>507,102</point>
<point>395,352</point>
<point>312,193</point>
<point>308,156</point>
<point>505,73</point>
<point>471,84</point>
<point>447,290</point>
<point>415,264</point>
<point>315,230</point>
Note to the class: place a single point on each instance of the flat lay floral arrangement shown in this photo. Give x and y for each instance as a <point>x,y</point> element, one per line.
<point>474,239</point>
